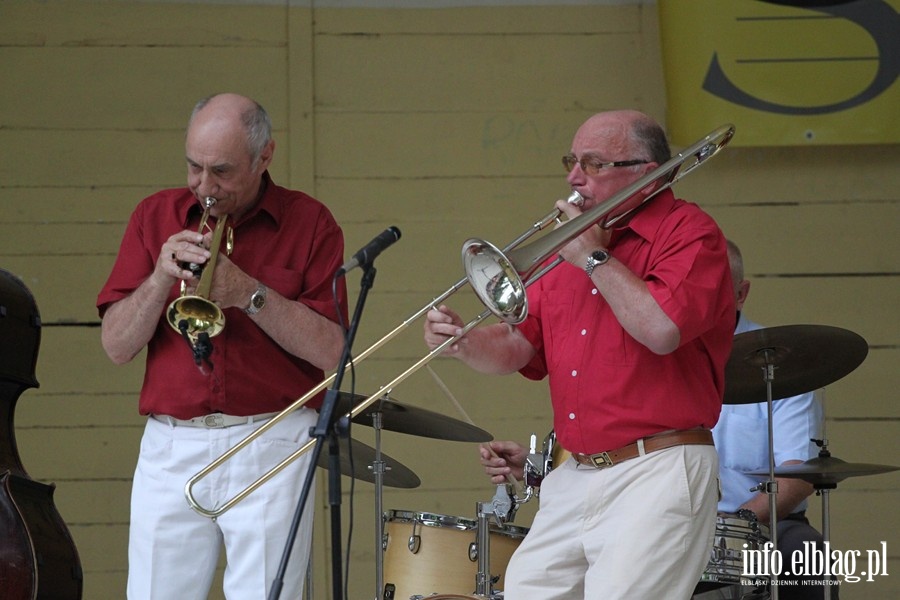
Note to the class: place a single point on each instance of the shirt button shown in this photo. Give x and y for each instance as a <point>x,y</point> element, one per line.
<point>594,291</point>
<point>584,332</point>
<point>574,373</point>
<point>571,416</point>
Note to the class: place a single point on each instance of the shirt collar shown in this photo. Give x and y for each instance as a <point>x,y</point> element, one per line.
<point>647,218</point>
<point>269,204</point>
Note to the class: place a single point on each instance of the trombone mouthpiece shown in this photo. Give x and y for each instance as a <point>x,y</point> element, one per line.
<point>575,198</point>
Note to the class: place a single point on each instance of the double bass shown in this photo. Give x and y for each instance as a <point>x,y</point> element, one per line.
<point>38,558</point>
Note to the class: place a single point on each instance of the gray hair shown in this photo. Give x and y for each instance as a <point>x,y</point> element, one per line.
<point>735,262</point>
<point>648,136</point>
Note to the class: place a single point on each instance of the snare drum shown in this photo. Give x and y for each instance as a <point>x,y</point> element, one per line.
<point>427,554</point>
<point>734,535</point>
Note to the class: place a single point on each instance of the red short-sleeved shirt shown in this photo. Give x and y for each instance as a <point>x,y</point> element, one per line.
<point>609,390</point>
<point>292,244</point>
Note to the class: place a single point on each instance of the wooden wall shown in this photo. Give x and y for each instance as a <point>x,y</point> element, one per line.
<point>448,123</point>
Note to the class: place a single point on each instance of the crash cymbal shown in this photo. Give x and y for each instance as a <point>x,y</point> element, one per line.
<point>395,475</point>
<point>826,470</point>
<point>805,357</point>
<point>412,420</point>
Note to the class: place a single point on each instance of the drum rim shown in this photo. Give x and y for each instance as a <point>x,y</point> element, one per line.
<point>429,519</point>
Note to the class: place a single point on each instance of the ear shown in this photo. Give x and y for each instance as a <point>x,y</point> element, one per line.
<point>653,186</point>
<point>743,290</point>
<point>265,157</point>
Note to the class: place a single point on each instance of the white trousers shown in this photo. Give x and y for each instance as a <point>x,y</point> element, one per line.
<point>641,529</point>
<point>173,551</point>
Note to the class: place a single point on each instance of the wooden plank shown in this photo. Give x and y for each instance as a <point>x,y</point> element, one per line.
<point>48,205</point>
<point>471,73</point>
<point>869,392</point>
<point>79,450</point>
<point>795,238</point>
<point>102,549</point>
<point>117,24</point>
<point>47,158</point>
<point>860,304</point>
<point>472,144</point>
<point>483,19</point>
<point>93,502</point>
<point>110,102</point>
<point>795,175</point>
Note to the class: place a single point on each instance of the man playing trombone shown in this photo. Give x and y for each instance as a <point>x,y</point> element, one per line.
<point>634,331</point>
<point>273,281</point>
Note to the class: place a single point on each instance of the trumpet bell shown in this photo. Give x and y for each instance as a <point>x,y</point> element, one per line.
<point>194,315</point>
<point>495,281</point>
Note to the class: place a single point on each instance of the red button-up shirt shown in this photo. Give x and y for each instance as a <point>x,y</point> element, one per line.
<point>291,243</point>
<point>606,388</point>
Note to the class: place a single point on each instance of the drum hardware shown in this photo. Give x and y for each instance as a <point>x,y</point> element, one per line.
<point>824,473</point>
<point>807,357</point>
<point>502,279</point>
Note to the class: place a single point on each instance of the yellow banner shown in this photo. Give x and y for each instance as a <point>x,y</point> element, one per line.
<point>783,75</point>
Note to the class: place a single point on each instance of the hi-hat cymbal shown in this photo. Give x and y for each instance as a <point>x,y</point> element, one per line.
<point>412,420</point>
<point>826,470</point>
<point>805,357</point>
<point>395,474</point>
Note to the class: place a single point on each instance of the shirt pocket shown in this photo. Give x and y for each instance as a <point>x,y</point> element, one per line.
<point>557,311</point>
<point>747,447</point>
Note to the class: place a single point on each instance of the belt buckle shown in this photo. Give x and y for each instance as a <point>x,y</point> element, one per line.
<point>601,460</point>
<point>214,421</point>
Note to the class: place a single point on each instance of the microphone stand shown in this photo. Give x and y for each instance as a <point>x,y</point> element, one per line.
<point>328,429</point>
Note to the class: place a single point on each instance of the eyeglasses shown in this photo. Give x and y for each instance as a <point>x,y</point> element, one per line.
<point>592,166</point>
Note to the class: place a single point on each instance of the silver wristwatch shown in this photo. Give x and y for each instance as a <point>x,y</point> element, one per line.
<point>257,300</point>
<point>597,257</point>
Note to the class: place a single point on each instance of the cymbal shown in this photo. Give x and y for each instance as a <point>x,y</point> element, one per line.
<point>412,420</point>
<point>395,474</point>
<point>826,470</point>
<point>805,357</point>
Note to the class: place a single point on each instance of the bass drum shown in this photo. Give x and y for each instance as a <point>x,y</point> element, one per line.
<point>427,554</point>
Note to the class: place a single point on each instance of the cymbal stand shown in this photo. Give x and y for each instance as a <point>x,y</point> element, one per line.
<point>770,486</point>
<point>378,469</point>
<point>823,489</point>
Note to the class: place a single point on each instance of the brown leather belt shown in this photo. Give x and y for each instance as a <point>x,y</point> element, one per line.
<point>644,446</point>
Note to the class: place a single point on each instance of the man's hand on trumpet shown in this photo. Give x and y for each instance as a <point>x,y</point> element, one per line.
<point>179,251</point>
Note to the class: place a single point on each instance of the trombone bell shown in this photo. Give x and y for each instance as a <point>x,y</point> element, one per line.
<point>495,281</point>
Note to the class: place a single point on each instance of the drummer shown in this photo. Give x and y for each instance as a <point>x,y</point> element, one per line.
<point>741,439</point>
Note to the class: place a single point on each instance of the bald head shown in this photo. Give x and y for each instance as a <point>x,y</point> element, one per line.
<point>237,113</point>
<point>627,133</point>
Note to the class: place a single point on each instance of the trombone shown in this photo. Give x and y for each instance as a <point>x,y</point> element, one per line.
<point>499,278</point>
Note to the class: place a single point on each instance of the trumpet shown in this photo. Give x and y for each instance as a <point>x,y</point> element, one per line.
<point>195,316</point>
<point>499,278</point>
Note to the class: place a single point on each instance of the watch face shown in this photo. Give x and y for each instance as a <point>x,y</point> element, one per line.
<point>258,301</point>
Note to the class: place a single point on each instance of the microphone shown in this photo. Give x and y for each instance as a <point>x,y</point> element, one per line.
<point>368,253</point>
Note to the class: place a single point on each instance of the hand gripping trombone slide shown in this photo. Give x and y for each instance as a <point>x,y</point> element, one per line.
<point>497,278</point>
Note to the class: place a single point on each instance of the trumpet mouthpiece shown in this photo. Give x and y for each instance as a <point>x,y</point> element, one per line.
<point>209,202</point>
